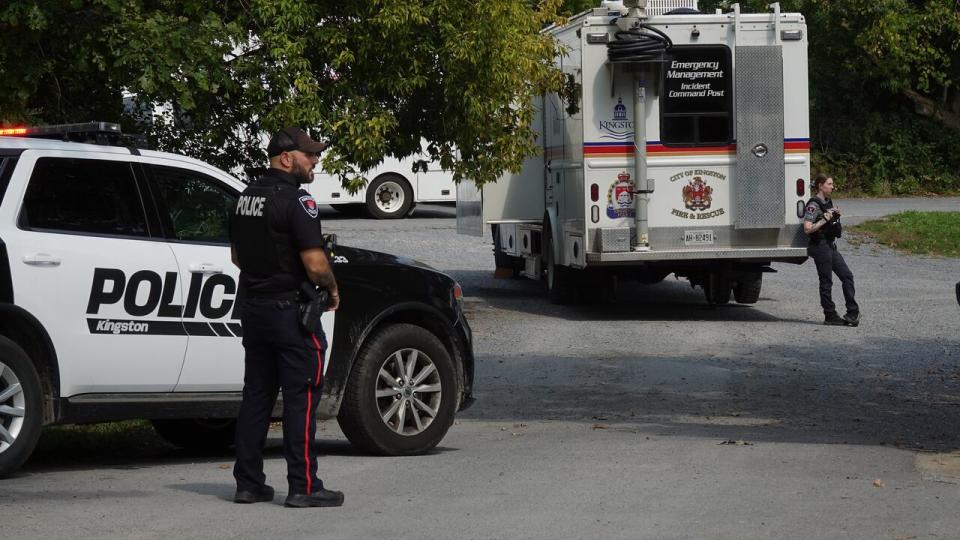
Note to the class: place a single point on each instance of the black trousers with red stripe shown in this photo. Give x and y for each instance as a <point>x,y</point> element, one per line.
<point>280,355</point>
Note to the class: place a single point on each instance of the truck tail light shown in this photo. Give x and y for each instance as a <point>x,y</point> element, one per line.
<point>594,192</point>
<point>801,185</point>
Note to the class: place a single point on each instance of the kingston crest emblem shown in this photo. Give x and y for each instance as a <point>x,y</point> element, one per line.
<point>697,195</point>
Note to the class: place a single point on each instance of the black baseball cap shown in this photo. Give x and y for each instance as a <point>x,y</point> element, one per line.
<point>289,139</point>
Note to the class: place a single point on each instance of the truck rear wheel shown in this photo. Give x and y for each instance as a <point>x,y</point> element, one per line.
<point>21,407</point>
<point>389,196</point>
<point>747,289</point>
<point>717,289</point>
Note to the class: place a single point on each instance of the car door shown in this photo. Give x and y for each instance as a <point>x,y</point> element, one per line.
<point>195,207</point>
<point>87,262</point>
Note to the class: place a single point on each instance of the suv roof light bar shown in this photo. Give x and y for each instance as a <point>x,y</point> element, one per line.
<point>103,133</point>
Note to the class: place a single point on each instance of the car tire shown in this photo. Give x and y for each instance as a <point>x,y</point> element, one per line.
<point>207,434</point>
<point>392,417</point>
<point>747,289</point>
<point>21,407</point>
<point>389,196</point>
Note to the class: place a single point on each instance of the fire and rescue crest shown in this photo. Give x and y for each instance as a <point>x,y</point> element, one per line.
<point>697,195</point>
<point>620,197</point>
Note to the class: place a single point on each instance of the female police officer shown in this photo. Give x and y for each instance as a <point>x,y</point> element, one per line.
<point>821,222</point>
<point>277,244</point>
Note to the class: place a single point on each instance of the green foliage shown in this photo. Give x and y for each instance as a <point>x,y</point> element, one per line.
<point>884,92</point>
<point>924,233</point>
<point>374,77</point>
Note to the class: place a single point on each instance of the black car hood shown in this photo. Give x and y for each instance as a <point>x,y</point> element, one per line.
<point>365,257</point>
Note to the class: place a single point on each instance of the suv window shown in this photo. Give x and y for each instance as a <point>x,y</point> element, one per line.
<point>84,196</point>
<point>198,206</point>
<point>697,100</point>
<point>7,165</point>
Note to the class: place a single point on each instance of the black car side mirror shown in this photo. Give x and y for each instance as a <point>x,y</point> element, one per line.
<point>329,242</point>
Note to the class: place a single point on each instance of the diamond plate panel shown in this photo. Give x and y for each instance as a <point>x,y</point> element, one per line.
<point>760,182</point>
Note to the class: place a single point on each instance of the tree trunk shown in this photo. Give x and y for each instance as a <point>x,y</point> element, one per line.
<point>931,109</point>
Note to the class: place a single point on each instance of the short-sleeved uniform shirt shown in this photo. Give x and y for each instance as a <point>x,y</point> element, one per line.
<point>813,212</point>
<point>294,225</point>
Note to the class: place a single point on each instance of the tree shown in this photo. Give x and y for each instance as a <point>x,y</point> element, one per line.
<point>211,78</point>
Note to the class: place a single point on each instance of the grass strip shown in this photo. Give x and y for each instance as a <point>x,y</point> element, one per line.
<point>921,233</point>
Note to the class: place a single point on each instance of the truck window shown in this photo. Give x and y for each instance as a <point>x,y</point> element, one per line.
<point>83,196</point>
<point>198,206</point>
<point>697,100</point>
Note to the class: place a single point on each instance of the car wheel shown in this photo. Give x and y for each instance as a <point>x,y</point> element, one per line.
<point>389,197</point>
<point>402,393</point>
<point>747,289</point>
<point>197,433</point>
<point>21,407</point>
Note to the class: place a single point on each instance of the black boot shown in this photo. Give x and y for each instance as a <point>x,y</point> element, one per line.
<point>832,319</point>
<point>264,494</point>
<point>852,319</point>
<point>321,497</point>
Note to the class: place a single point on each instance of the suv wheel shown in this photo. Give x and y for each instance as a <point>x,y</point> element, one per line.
<point>197,433</point>
<point>402,393</point>
<point>21,404</point>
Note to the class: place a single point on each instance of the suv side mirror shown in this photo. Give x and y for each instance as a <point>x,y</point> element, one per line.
<point>329,242</point>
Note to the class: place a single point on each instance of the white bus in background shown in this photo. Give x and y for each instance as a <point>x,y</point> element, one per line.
<point>392,192</point>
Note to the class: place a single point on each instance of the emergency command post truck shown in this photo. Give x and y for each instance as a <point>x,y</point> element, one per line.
<point>716,187</point>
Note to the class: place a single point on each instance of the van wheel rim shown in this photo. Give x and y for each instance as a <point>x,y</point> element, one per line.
<point>12,407</point>
<point>408,392</point>
<point>389,197</point>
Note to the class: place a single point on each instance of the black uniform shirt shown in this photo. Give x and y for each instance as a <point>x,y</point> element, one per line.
<point>293,225</point>
<point>816,208</point>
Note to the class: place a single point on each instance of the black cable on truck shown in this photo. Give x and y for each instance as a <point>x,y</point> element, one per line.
<point>637,46</point>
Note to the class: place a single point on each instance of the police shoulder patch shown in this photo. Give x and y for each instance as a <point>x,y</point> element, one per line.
<point>309,206</point>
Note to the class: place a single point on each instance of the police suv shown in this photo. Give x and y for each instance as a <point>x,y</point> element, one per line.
<point>118,301</point>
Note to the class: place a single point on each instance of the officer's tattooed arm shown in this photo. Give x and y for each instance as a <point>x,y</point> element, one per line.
<point>814,220</point>
<point>320,272</point>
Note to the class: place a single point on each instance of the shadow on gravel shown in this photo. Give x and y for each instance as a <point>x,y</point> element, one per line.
<point>775,393</point>
<point>137,447</point>
<point>669,300</point>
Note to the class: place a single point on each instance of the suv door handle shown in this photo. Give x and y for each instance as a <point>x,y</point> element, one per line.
<point>41,259</point>
<point>206,268</point>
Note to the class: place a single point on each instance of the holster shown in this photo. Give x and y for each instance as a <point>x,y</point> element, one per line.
<point>313,302</point>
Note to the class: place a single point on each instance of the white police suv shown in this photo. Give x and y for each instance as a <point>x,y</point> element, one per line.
<point>118,301</point>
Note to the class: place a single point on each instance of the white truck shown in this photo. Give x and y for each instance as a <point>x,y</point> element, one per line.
<point>715,193</point>
<point>393,192</point>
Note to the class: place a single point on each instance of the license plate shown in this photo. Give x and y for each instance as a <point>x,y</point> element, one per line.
<point>698,238</point>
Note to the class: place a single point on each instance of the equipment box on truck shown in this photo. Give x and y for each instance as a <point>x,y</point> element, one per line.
<point>716,191</point>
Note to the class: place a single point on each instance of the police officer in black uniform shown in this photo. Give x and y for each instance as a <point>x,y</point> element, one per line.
<point>821,222</point>
<point>277,244</point>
